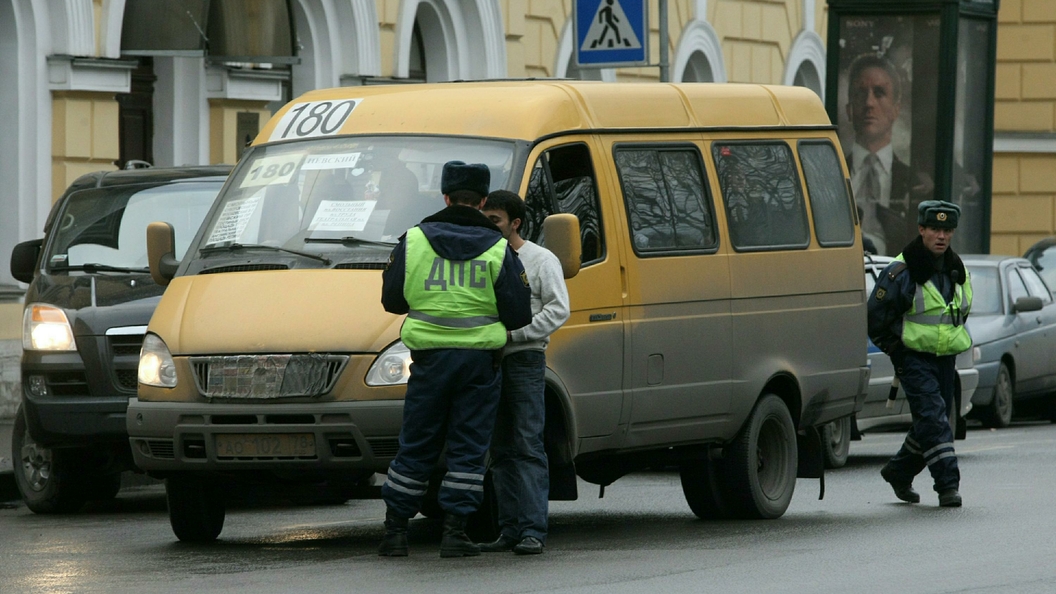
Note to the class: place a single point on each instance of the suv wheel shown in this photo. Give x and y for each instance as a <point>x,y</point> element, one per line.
<point>760,464</point>
<point>196,508</point>
<point>46,478</point>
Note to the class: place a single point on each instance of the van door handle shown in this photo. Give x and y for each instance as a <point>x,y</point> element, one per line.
<point>623,280</point>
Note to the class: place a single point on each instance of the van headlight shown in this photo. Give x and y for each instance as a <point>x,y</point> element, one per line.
<point>156,367</point>
<point>46,328</point>
<point>392,367</point>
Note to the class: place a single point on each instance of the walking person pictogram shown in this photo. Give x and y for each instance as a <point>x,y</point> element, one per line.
<point>610,20</point>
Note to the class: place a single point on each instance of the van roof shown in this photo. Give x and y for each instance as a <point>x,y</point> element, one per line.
<point>531,109</point>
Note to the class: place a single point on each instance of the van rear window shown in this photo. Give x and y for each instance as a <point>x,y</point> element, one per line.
<point>667,204</point>
<point>829,203</point>
<point>764,201</point>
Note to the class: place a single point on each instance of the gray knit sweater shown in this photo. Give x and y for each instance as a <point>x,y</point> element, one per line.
<point>549,299</point>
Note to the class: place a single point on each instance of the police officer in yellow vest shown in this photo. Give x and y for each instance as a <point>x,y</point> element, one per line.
<point>916,315</point>
<point>462,288</point>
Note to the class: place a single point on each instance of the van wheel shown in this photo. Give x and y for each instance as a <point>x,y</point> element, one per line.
<point>196,508</point>
<point>836,442</point>
<point>46,478</point>
<point>703,488</point>
<point>998,413</point>
<point>761,462</point>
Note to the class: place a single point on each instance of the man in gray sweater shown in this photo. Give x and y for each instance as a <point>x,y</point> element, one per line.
<point>519,467</point>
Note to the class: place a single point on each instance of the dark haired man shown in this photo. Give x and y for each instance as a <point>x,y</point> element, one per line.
<point>917,312</point>
<point>462,288</point>
<point>518,465</point>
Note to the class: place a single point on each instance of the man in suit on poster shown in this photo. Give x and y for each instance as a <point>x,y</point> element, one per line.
<point>884,187</point>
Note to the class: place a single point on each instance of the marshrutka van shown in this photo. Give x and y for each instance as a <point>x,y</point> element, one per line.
<point>713,258</point>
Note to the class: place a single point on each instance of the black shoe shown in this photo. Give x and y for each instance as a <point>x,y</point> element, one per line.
<point>454,542</point>
<point>950,498</point>
<point>394,544</point>
<point>529,545</point>
<point>903,491</point>
<point>502,544</point>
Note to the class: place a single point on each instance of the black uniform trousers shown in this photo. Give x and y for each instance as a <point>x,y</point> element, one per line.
<point>452,399</point>
<point>929,382</point>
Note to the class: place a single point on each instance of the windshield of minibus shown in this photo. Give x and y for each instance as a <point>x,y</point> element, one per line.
<point>314,203</point>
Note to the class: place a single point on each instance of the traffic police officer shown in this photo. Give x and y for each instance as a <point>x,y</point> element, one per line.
<point>462,288</point>
<point>916,315</point>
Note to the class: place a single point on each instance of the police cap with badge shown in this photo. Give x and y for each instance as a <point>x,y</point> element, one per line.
<point>938,214</point>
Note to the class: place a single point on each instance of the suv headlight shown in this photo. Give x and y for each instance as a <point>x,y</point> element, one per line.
<point>392,367</point>
<point>46,328</point>
<point>156,367</point>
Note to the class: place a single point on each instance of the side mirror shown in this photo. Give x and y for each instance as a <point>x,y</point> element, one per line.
<point>24,259</point>
<point>1025,304</point>
<point>561,233</point>
<point>161,252</point>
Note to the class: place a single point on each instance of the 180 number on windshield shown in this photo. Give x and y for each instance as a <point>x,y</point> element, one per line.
<point>314,118</point>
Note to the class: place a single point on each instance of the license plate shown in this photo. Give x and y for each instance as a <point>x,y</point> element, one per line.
<point>253,445</point>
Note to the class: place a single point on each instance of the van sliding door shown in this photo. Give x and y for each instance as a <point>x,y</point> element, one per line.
<point>678,305</point>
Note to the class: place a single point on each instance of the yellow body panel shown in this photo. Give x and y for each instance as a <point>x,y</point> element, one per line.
<point>287,311</point>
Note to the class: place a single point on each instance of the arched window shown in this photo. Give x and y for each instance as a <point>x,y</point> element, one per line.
<point>457,39</point>
<point>806,63</point>
<point>699,55</point>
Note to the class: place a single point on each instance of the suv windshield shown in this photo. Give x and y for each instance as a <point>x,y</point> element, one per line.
<point>348,198</point>
<point>105,229</point>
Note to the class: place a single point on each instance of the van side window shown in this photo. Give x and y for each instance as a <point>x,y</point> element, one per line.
<point>829,202</point>
<point>667,204</point>
<point>764,202</point>
<point>562,181</point>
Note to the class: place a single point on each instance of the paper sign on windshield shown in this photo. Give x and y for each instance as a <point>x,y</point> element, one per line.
<point>337,161</point>
<point>342,215</point>
<point>271,170</point>
<point>233,220</point>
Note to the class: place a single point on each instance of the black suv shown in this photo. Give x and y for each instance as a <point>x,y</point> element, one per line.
<point>89,301</point>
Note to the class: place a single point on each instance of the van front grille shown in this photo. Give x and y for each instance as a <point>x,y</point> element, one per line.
<point>267,376</point>
<point>125,344</point>
<point>67,383</point>
<point>384,447</point>
<point>127,378</point>
<point>361,266</point>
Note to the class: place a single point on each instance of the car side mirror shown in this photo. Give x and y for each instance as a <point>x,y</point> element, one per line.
<point>161,252</point>
<point>1025,304</point>
<point>561,233</point>
<point>24,259</point>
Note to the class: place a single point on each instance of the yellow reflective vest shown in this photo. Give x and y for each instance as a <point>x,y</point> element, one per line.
<point>933,326</point>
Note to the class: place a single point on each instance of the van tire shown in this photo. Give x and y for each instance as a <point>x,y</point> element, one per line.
<point>702,484</point>
<point>836,442</point>
<point>196,508</point>
<point>47,478</point>
<point>760,465</point>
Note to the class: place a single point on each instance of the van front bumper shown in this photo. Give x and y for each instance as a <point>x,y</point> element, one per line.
<point>181,436</point>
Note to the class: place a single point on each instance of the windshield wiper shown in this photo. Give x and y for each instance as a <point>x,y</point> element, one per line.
<point>95,267</point>
<point>348,240</point>
<point>231,247</point>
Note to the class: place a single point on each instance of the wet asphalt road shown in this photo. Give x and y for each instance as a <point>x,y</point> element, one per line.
<point>640,538</point>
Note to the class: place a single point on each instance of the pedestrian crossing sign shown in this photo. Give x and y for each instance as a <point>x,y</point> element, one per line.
<point>611,33</point>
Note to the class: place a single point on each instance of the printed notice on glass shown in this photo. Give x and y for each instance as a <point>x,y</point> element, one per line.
<point>337,161</point>
<point>342,215</point>
<point>233,220</point>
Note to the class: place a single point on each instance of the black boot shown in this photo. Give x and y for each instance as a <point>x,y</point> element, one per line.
<point>395,542</point>
<point>455,543</point>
